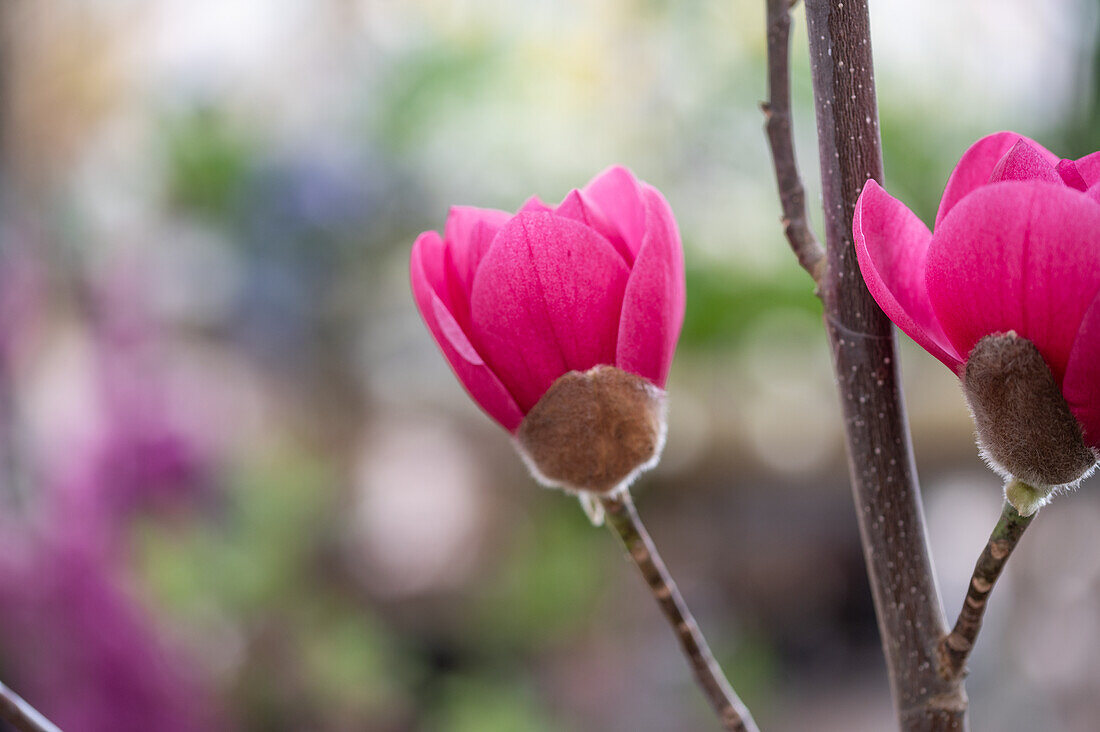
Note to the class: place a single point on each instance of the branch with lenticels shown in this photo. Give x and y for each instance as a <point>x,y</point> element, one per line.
<point>880,458</point>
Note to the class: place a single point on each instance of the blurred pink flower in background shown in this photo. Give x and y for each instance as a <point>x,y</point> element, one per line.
<point>516,301</point>
<point>1016,248</point>
<point>139,445</point>
<point>79,643</point>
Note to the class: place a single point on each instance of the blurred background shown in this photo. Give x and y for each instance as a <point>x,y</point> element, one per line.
<point>241,489</point>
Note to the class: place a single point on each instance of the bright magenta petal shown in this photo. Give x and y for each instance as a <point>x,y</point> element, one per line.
<point>534,204</point>
<point>578,207</point>
<point>1022,256</point>
<point>545,301</point>
<point>653,304</point>
<point>1089,168</point>
<point>427,276</point>
<point>467,235</point>
<point>1082,384</point>
<point>1067,171</point>
<point>1024,162</point>
<point>892,246</point>
<point>618,195</point>
<point>977,164</point>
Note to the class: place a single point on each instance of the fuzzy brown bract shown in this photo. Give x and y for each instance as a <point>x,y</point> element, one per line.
<point>1025,427</point>
<point>594,430</point>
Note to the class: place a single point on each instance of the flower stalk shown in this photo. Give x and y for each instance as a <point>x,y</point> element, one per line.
<point>955,648</point>
<point>622,518</point>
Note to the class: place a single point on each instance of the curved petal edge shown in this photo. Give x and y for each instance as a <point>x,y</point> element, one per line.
<point>655,296</point>
<point>892,248</point>
<point>977,165</point>
<point>465,360</point>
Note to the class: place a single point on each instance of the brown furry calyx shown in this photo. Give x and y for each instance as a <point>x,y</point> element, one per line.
<point>594,431</point>
<point>1025,428</point>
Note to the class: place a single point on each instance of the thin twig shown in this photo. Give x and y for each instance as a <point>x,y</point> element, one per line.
<point>956,646</point>
<point>21,715</point>
<point>623,519</point>
<point>777,116</point>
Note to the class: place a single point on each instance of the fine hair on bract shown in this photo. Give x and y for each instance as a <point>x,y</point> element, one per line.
<point>594,432</point>
<point>1024,426</point>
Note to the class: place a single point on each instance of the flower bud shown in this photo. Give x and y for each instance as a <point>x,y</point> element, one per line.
<point>1025,428</point>
<point>517,300</point>
<point>594,431</point>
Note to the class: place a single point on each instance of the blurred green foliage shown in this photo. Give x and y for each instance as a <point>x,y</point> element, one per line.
<point>724,304</point>
<point>487,704</point>
<point>547,585</point>
<point>261,568</point>
<point>207,159</point>
<point>421,86</point>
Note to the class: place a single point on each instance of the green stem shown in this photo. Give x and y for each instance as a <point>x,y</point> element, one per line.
<point>955,648</point>
<point>623,519</point>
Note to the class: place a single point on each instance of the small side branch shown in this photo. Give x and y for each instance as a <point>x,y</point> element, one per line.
<point>777,116</point>
<point>21,715</point>
<point>955,648</point>
<point>623,519</point>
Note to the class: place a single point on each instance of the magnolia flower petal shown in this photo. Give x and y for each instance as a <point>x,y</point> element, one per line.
<point>1025,162</point>
<point>618,195</point>
<point>579,207</point>
<point>977,164</point>
<point>1081,387</point>
<point>892,246</point>
<point>545,301</point>
<point>653,304</point>
<point>1070,175</point>
<point>534,204</point>
<point>1089,168</point>
<point>1020,256</point>
<point>467,235</point>
<point>429,290</point>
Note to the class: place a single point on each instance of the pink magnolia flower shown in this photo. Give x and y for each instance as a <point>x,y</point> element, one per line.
<point>1016,250</point>
<point>516,301</point>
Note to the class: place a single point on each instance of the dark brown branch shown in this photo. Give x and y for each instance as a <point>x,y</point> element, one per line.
<point>880,458</point>
<point>777,124</point>
<point>956,647</point>
<point>623,519</point>
<point>22,715</point>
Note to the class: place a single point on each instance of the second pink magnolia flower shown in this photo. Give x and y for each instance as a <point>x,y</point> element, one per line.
<point>516,301</point>
<point>1016,251</point>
